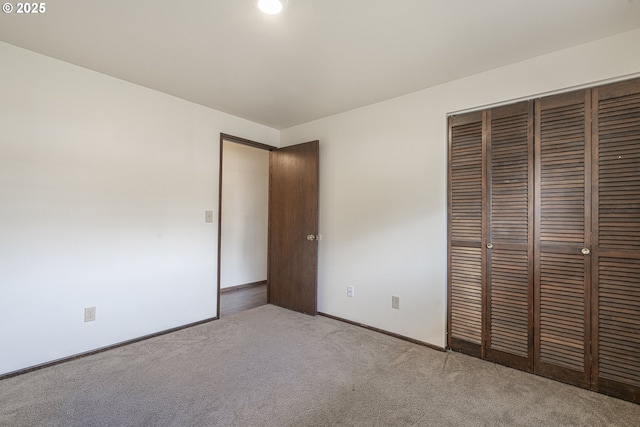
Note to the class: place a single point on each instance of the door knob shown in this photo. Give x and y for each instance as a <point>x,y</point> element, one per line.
<point>585,251</point>
<point>489,245</point>
<point>312,237</point>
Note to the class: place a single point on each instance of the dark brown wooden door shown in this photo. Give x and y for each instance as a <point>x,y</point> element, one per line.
<point>562,232</point>
<point>509,271</point>
<point>616,241</point>
<point>465,290</point>
<point>293,218</point>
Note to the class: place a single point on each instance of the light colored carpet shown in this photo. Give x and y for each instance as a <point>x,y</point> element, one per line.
<point>273,367</point>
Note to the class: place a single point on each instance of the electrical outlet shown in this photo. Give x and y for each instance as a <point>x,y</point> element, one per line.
<point>350,292</point>
<point>395,302</point>
<point>89,314</point>
<point>208,216</point>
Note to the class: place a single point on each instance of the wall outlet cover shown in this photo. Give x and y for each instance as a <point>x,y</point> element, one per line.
<point>89,314</point>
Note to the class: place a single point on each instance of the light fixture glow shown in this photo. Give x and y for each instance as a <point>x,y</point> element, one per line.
<point>271,7</point>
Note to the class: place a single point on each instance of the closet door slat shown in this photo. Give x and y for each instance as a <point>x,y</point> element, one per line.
<point>563,195</point>
<point>465,288</point>
<point>616,312</point>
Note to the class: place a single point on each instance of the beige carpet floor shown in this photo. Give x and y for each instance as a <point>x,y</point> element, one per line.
<point>272,367</point>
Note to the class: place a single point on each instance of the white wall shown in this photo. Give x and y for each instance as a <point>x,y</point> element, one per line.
<point>383,178</point>
<point>103,188</point>
<point>245,215</point>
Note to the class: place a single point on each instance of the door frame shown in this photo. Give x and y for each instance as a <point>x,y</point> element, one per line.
<point>249,143</point>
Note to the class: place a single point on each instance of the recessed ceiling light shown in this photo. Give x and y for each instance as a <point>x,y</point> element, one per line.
<point>271,7</point>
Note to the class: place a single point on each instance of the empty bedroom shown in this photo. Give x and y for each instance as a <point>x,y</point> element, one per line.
<point>317,213</point>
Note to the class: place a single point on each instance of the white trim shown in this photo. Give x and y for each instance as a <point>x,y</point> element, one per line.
<point>544,94</point>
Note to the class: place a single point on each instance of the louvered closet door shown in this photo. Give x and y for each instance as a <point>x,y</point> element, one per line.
<point>616,252</point>
<point>509,337</point>
<point>563,195</point>
<point>465,234</point>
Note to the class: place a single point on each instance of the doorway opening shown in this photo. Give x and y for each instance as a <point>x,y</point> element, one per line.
<point>242,224</point>
<point>292,225</point>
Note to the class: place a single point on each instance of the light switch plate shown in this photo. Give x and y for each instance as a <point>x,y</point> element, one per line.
<point>208,216</point>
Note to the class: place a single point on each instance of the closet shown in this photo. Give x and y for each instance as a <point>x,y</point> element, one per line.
<point>544,237</point>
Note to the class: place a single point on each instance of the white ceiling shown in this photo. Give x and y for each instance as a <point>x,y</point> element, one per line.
<point>318,58</point>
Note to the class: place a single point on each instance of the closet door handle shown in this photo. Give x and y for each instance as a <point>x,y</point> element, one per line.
<point>489,245</point>
<point>585,251</point>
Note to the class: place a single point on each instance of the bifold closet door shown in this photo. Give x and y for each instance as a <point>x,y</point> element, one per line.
<point>465,269</point>
<point>544,240</point>
<point>562,237</point>
<point>509,235</point>
<point>616,240</point>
